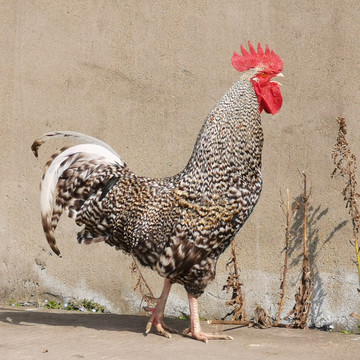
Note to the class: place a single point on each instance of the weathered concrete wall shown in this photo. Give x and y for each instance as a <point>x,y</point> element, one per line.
<point>142,77</point>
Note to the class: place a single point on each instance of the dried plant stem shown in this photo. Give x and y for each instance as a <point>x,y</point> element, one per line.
<point>345,165</point>
<point>237,301</point>
<point>357,254</point>
<point>237,322</point>
<point>306,277</point>
<point>141,284</point>
<point>305,197</point>
<point>289,215</point>
<point>233,253</point>
<point>260,320</point>
<point>303,297</point>
<point>228,322</point>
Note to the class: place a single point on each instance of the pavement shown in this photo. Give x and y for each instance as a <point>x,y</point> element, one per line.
<point>32,333</point>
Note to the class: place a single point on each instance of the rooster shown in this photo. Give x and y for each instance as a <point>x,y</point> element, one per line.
<point>179,225</point>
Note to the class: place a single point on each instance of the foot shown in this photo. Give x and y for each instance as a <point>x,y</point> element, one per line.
<point>198,335</point>
<point>195,328</point>
<point>158,321</point>
<point>157,313</point>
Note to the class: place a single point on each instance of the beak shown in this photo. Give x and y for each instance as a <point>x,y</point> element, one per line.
<point>278,75</point>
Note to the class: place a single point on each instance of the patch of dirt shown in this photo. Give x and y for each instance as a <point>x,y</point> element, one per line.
<point>31,333</point>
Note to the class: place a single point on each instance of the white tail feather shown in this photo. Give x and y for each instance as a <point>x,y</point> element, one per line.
<point>75,136</point>
<point>91,150</point>
<point>62,162</point>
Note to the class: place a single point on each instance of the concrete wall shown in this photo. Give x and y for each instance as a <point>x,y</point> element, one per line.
<point>142,76</point>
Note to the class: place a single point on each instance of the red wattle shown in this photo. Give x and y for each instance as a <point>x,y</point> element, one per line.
<point>269,97</point>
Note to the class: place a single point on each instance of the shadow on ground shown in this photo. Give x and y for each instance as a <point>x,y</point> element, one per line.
<point>32,333</point>
<point>107,322</point>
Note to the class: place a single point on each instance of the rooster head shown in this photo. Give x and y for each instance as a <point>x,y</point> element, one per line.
<point>269,65</point>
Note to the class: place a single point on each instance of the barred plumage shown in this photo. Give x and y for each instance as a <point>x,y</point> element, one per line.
<point>178,225</point>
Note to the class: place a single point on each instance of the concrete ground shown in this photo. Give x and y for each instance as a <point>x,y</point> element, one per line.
<point>28,333</point>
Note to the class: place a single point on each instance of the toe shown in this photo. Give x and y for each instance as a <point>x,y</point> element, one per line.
<point>162,331</point>
<point>160,327</point>
<point>200,336</point>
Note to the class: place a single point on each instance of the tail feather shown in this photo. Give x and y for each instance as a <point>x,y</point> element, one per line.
<point>73,135</point>
<point>72,176</point>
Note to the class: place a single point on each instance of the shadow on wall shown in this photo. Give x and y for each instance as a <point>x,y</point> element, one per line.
<point>315,246</point>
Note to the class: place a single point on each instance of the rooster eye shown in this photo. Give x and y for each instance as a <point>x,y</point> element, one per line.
<point>264,75</point>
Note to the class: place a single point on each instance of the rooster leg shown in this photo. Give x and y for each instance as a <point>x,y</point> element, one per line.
<point>195,328</point>
<point>157,317</point>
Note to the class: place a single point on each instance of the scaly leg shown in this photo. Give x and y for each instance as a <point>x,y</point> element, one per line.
<point>157,317</point>
<point>195,328</point>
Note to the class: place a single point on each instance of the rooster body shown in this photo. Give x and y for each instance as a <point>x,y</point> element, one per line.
<point>177,225</point>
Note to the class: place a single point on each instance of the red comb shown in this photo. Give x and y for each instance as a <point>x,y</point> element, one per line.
<point>268,59</point>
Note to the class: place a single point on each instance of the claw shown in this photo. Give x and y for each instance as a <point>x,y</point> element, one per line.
<point>157,314</point>
<point>159,324</point>
<point>200,336</point>
<point>157,320</point>
<point>195,329</point>
<point>160,328</point>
